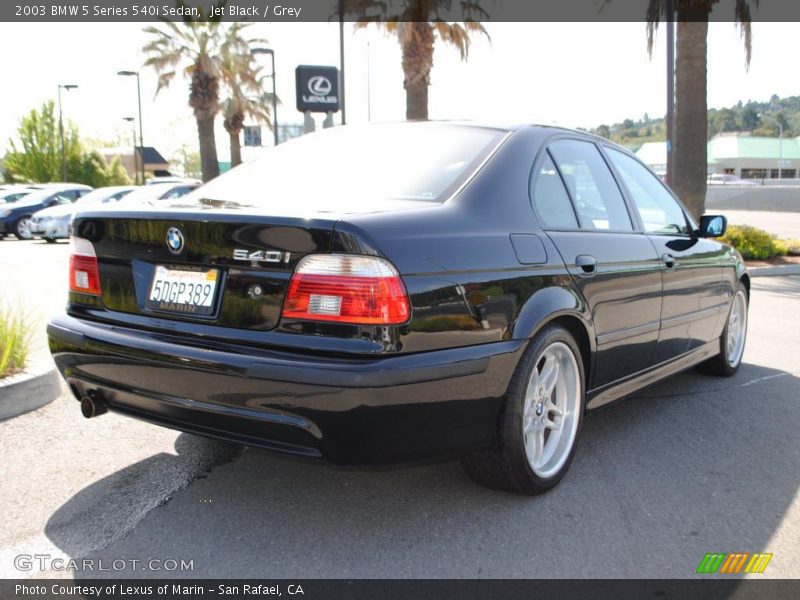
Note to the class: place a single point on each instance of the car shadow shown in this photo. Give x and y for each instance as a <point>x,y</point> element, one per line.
<point>692,465</point>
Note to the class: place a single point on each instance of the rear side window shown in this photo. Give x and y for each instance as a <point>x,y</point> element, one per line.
<point>658,209</point>
<point>598,200</point>
<point>551,199</point>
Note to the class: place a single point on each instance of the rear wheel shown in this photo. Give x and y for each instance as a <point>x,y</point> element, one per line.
<point>539,427</point>
<point>50,240</point>
<point>732,341</point>
<point>22,229</point>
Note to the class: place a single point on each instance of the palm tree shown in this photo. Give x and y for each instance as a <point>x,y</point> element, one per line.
<point>417,26</point>
<point>246,98</point>
<point>690,161</point>
<point>197,48</point>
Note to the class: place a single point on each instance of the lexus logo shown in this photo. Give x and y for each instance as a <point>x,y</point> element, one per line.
<point>319,85</point>
<point>174,240</point>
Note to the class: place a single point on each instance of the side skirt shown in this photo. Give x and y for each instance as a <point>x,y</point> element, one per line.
<point>633,383</point>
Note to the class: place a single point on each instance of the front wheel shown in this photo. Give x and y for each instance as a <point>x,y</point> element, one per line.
<point>732,341</point>
<point>539,427</point>
<point>22,229</point>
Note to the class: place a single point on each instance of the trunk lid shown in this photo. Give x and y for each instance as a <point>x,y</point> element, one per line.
<point>246,256</point>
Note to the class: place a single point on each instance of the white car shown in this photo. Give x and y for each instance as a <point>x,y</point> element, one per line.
<point>53,223</point>
<point>171,179</point>
<point>727,179</point>
<point>12,194</point>
<point>160,191</point>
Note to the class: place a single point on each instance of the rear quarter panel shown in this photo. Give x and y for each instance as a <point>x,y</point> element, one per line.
<point>467,282</point>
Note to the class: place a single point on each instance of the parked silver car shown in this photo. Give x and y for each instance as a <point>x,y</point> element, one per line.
<point>53,223</point>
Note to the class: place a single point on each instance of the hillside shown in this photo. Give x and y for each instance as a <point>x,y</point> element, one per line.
<point>760,118</point>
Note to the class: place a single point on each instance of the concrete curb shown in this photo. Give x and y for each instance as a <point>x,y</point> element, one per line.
<point>776,271</point>
<point>27,391</point>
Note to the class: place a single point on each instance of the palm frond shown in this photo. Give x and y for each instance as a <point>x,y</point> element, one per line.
<point>744,21</point>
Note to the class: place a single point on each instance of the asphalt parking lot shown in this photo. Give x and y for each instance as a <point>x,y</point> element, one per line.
<point>693,465</point>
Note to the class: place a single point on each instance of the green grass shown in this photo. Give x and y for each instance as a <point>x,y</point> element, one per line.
<point>14,342</point>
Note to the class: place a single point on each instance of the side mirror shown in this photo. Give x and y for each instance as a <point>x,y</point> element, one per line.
<point>712,226</point>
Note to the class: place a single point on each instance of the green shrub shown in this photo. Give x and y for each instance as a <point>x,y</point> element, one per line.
<point>14,342</point>
<point>753,243</point>
<point>792,247</point>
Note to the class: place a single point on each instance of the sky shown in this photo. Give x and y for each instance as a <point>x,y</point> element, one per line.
<point>569,74</point>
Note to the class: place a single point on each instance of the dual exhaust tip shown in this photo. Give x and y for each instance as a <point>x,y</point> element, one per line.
<point>93,405</point>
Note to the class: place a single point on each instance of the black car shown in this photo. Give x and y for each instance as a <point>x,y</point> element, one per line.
<point>16,218</point>
<point>396,293</point>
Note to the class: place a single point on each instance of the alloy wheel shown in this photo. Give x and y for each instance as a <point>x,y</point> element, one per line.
<point>23,228</point>
<point>737,329</point>
<point>552,409</point>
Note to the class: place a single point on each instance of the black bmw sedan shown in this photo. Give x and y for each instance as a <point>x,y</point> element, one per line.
<point>403,292</point>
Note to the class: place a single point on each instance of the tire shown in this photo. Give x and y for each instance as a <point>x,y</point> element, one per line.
<point>50,240</point>
<point>733,339</point>
<point>22,229</point>
<point>511,463</point>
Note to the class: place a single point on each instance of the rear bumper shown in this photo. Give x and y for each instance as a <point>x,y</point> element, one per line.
<point>350,411</point>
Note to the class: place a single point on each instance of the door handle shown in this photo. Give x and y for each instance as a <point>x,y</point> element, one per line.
<point>586,263</point>
<point>668,260</point>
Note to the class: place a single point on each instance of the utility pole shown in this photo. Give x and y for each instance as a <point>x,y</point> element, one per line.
<point>670,18</point>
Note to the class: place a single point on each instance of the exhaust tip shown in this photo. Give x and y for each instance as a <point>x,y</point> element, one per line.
<point>92,407</point>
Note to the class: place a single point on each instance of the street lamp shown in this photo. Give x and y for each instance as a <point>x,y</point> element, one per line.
<point>66,86</point>
<point>271,53</point>
<point>132,121</point>
<point>780,143</point>
<point>139,100</point>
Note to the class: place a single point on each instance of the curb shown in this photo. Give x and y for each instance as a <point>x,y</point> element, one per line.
<point>776,271</point>
<point>27,391</point>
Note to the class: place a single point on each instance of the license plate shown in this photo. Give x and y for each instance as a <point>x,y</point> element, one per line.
<point>183,290</point>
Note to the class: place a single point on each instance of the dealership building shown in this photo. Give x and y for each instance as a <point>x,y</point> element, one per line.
<point>740,154</point>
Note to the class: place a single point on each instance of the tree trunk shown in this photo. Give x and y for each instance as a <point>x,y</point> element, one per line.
<point>236,148</point>
<point>208,146</point>
<point>417,101</point>
<point>417,45</point>
<point>690,161</point>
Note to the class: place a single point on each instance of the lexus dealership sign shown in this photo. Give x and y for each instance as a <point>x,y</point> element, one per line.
<point>317,88</point>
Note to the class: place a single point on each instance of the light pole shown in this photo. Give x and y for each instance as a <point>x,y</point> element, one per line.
<point>780,143</point>
<point>271,53</point>
<point>66,86</point>
<point>132,121</point>
<point>139,100</point>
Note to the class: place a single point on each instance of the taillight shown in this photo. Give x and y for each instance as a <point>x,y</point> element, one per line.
<point>84,275</point>
<point>347,289</point>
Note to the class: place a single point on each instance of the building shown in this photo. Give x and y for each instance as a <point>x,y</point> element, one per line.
<point>740,154</point>
<point>753,157</point>
<point>155,165</point>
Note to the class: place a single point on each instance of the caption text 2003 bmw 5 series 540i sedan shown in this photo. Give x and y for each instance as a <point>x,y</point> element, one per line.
<point>393,293</point>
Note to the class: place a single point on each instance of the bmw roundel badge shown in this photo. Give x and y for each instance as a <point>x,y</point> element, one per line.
<point>174,240</point>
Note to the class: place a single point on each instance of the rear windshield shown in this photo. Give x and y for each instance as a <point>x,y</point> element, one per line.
<point>351,168</point>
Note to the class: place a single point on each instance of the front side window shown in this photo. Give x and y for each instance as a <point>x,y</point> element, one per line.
<point>659,211</point>
<point>598,200</point>
<point>551,199</point>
